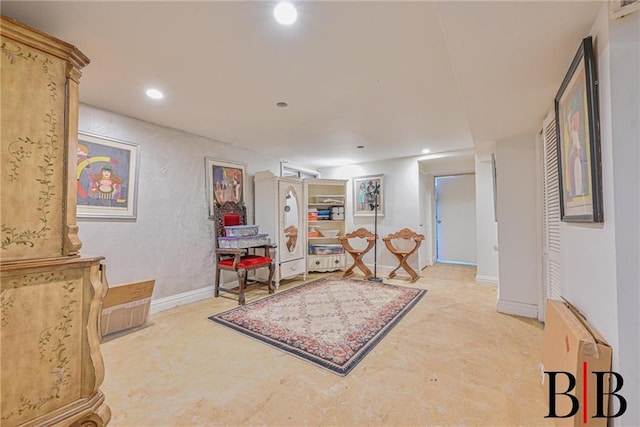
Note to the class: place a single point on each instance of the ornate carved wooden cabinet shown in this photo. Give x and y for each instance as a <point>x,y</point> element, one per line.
<point>51,298</point>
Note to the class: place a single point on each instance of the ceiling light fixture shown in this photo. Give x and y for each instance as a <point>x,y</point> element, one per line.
<point>285,13</point>
<point>154,94</point>
<point>282,104</point>
<point>360,146</point>
<point>426,151</point>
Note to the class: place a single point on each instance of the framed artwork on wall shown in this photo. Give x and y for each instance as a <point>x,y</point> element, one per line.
<point>366,189</point>
<point>494,177</point>
<point>578,129</point>
<point>226,182</point>
<point>107,177</point>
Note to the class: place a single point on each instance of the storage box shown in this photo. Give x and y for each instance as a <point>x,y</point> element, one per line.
<point>241,230</point>
<point>241,242</point>
<point>569,342</point>
<point>126,306</point>
<point>325,249</point>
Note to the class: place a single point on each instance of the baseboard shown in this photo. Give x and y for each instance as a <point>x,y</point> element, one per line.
<point>486,280</point>
<point>162,304</point>
<point>517,308</point>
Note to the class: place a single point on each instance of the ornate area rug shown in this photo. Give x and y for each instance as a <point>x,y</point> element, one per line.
<point>333,322</point>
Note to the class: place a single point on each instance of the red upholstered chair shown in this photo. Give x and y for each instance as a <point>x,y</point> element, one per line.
<point>238,260</point>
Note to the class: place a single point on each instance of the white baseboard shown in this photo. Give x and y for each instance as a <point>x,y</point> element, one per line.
<point>173,301</point>
<point>517,308</point>
<point>486,280</point>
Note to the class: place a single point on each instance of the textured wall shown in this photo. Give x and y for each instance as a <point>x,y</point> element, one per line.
<point>172,239</point>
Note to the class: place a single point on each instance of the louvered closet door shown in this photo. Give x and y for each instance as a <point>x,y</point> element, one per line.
<point>551,212</point>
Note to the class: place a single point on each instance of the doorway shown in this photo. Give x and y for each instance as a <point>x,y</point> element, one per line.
<point>455,217</point>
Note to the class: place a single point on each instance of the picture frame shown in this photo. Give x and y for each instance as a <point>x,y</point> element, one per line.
<point>225,181</point>
<point>578,130</point>
<point>621,8</point>
<point>364,189</point>
<point>494,180</point>
<point>107,178</point>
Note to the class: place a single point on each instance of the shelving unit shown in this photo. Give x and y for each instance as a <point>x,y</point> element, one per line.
<point>326,198</point>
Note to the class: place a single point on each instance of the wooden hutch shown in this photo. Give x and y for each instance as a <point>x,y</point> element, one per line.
<point>51,297</point>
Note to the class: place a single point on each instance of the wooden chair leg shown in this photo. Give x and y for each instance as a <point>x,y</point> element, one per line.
<point>357,262</point>
<point>404,264</point>
<point>242,283</point>
<point>393,272</point>
<point>361,265</point>
<point>349,271</point>
<point>272,268</point>
<point>216,288</point>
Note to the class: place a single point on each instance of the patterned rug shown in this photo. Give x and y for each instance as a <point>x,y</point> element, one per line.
<point>332,322</point>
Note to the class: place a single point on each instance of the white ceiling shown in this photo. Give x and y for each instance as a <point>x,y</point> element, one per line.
<point>393,76</point>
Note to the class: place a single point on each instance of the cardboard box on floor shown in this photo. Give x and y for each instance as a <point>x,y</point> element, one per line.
<point>568,342</point>
<point>126,307</point>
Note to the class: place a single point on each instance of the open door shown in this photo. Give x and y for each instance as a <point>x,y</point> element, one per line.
<point>456,219</point>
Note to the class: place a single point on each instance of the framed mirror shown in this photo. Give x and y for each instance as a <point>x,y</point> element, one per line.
<point>290,214</point>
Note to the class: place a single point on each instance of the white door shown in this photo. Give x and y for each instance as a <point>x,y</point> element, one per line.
<point>456,219</point>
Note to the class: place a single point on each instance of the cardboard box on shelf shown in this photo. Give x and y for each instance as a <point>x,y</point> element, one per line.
<point>572,347</point>
<point>126,306</point>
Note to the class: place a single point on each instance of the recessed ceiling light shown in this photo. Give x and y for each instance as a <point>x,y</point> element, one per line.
<point>426,151</point>
<point>285,13</point>
<point>282,104</point>
<point>154,94</point>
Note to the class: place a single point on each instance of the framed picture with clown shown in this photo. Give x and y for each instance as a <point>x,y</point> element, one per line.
<point>107,177</point>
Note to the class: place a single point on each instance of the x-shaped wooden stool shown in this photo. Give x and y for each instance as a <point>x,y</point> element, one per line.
<point>402,255</point>
<point>357,254</point>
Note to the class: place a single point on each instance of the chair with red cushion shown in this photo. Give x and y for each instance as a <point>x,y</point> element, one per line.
<point>238,260</point>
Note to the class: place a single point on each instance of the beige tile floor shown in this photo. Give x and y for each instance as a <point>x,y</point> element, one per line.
<point>453,360</point>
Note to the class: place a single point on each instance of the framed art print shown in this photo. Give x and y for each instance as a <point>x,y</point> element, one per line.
<point>226,182</point>
<point>577,125</point>
<point>107,177</point>
<point>367,191</point>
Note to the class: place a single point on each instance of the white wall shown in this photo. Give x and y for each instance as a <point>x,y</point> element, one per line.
<point>624,56</point>
<point>486,226</point>
<point>424,185</point>
<point>518,218</point>
<point>401,185</point>
<point>600,262</point>
<point>588,252</point>
<point>172,239</point>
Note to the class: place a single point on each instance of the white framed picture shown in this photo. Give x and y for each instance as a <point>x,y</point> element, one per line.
<point>368,194</point>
